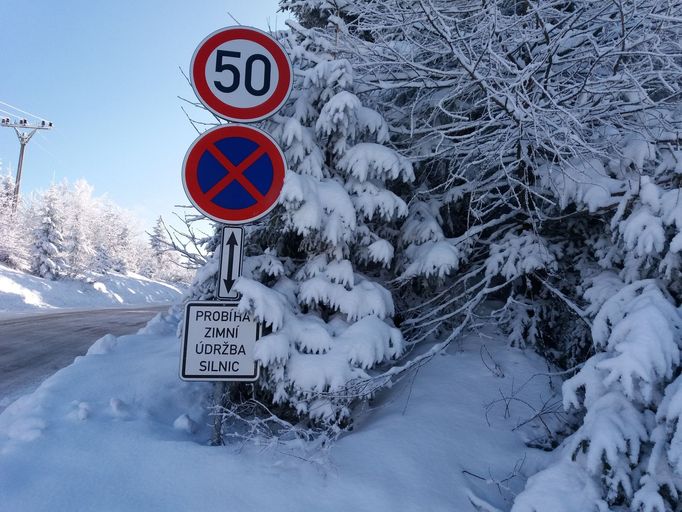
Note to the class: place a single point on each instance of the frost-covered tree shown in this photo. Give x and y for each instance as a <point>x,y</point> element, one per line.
<point>159,241</point>
<point>315,266</point>
<point>546,138</point>
<point>324,249</point>
<point>98,236</point>
<point>163,257</point>
<point>47,256</point>
<point>205,282</point>
<point>114,235</point>
<point>13,246</point>
<point>90,234</point>
<point>483,102</point>
<point>80,208</point>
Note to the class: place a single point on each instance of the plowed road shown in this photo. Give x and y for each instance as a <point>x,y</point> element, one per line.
<point>33,347</point>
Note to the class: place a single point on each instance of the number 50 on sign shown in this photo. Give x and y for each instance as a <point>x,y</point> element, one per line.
<point>241,74</point>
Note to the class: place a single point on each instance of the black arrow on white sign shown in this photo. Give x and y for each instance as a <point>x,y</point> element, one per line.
<point>229,281</point>
<point>230,267</point>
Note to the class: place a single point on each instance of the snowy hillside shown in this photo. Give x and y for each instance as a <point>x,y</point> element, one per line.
<point>21,292</point>
<point>136,438</point>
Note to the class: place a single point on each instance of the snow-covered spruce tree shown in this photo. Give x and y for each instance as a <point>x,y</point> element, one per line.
<point>13,250</point>
<point>78,240</point>
<point>626,454</point>
<point>114,241</point>
<point>547,141</point>
<point>47,256</point>
<point>103,237</point>
<point>315,265</point>
<point>163,258</point>
<point>159,242</point>
<point>121,245</point>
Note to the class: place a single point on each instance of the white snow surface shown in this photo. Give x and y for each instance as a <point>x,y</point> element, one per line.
<point>119,431</point>
<point>564,487</point>
<point>20,292</point>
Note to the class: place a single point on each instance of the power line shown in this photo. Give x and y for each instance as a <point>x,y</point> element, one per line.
<point>24,131</point>
<point>22,111</point>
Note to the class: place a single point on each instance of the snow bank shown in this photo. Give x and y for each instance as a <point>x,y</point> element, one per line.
<point>21,292</point>
<point>118,430</point>
<point>565,487</point>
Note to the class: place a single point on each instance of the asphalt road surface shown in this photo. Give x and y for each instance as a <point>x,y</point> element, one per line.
<point>33,347</point>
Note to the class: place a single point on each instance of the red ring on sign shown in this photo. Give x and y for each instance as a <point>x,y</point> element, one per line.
<point>190,175</point>
<point>215,104</point>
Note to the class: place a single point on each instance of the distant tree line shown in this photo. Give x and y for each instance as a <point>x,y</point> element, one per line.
<point>66,232</point>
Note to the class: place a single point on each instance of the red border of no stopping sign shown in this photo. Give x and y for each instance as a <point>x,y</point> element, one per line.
<point>224,110</point>
<point>199,198</point>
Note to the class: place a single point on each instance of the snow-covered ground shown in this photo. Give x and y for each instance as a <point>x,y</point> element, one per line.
<point>21,292</point>
<point>119,431</point>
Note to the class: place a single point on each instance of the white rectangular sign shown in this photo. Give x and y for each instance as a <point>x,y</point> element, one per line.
<point>218,343</point>
<point>231,253</point>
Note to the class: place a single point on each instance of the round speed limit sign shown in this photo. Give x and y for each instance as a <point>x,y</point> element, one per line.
<point>241,74</point>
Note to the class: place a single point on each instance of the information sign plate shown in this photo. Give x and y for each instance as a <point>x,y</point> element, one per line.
<point>218,343</point>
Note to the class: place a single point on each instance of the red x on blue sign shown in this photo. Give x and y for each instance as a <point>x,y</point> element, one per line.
<point>234,173</point>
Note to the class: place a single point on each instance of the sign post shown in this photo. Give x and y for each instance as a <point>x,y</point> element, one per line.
<point>234,175</point>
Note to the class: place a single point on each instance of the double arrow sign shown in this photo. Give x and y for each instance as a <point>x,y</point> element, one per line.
<point>230,262</point>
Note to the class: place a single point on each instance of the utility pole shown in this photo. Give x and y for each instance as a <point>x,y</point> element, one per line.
<point>24,131</point>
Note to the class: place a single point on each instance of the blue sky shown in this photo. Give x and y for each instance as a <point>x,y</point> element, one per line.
<point>106,73</point>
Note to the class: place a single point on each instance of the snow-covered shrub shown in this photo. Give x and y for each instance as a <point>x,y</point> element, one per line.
<point>628,441</point>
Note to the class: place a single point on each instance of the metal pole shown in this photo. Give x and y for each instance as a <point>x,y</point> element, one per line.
<point>15,199</point>
<point>23,140</point>
<point>219,401</point>
<point>221,389</point>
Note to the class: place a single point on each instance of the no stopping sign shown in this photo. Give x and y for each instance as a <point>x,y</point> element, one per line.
<point>241,74</point>
<point>234,173</point>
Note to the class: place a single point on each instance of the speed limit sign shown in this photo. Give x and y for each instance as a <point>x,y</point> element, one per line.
<point>241,74</point>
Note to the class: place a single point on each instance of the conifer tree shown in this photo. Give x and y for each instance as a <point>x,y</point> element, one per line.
<point>48,258</point>
<point>159,243</point>
<point>163,258</point>
<point>315,265</point>
<point>13,251</point>
<point>80,208</point>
